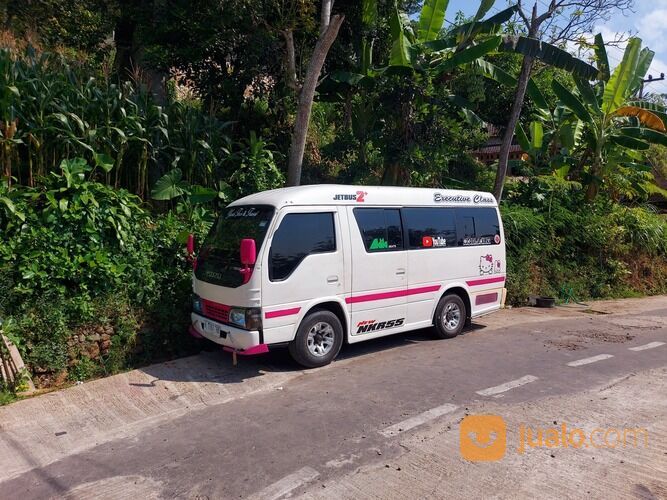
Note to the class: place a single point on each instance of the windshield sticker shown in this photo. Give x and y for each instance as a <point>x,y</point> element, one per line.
<point>242,212</point>
<point>486,264</point>
<point>379,244</point>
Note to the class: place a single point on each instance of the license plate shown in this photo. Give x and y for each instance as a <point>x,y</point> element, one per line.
<point>209,326</point>
<point>214,329</point>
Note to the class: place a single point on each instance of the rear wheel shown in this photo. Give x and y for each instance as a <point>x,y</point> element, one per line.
<point>318,340</point>
<point>450,316</point>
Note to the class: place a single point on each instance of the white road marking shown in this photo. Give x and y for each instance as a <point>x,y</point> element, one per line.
<point>420,419</point>
<point>507,385</point>
<point>592,359</point>
<point>287,484</point>
<point>651,345</point>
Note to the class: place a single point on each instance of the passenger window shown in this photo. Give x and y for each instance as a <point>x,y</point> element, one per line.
<point>380,228</point>
<point>477,226</point>
<point>430,227</point>
<point>298,236</point>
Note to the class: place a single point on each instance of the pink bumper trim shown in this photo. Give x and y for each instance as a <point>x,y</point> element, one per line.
<point>282,312</point>
<point>392,295</point>
<point>486,281</point>
<point>250,351</point>
<point>195,333</point>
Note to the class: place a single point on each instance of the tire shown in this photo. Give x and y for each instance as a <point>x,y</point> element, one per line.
<point>450,316</point>
<point>318,340</point>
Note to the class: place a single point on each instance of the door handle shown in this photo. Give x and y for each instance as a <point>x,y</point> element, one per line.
<point>332,279</point>
<point>400,271</point>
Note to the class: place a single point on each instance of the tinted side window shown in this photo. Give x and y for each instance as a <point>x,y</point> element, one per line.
<point>477,226</point>
<point>380,228</point>
<point>298,236</point>
<point>430,227</point>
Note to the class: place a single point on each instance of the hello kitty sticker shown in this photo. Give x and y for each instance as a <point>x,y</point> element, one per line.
<point>487,265</point>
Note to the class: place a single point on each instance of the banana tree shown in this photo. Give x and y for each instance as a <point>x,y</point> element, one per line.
<point>422,53</point>
<point>608,127</point>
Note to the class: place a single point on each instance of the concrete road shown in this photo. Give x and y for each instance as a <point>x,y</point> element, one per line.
<point>382,422</point>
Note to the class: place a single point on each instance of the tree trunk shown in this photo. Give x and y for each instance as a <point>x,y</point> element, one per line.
<point>125,45</point>
<point>306,97</point>
<point>506,144</point>
<point>290,61</point>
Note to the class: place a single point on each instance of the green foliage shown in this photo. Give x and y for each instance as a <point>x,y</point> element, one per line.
<point>600,250</point>
<point>84,253</point>
<point>254,167</point>
<point>59,109</point>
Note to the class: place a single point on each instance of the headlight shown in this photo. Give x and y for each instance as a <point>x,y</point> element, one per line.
<point>237,317</point>
<point>253,318</point>
<point>250,318</point>
<point>196,303</point>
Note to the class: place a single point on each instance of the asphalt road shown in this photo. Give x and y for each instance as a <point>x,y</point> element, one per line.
<point>326,423</point>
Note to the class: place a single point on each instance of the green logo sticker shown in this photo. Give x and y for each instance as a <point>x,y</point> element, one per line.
<point>379,244</point>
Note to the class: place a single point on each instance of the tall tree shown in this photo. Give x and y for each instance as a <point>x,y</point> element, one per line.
<point>563,21</point>
<point>329,26</point>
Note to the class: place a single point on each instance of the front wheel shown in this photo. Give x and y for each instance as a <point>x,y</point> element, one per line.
<point>318,340</point>
<point>450,316</point>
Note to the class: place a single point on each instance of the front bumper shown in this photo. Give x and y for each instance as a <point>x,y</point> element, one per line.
<point>225,335</point>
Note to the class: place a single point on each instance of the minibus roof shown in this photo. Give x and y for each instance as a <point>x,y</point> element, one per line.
<point>335,194</point>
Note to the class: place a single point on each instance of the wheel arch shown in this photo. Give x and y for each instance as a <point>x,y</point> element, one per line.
<point>333,307</point>
<point>463,295</point>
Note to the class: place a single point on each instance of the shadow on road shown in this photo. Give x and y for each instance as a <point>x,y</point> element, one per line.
<point>215,366</point>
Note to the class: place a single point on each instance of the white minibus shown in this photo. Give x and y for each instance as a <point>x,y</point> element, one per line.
<point>314,267</point>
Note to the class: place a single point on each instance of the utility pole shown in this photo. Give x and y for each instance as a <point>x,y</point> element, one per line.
<point>650,79</point>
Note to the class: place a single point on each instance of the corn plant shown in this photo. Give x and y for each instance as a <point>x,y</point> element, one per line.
<point>53,110</point>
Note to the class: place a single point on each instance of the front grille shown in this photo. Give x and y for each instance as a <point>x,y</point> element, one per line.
<point>213,310</point>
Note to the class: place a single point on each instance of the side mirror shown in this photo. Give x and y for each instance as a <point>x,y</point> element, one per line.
<point>191,244</point>
<point>248,252</point>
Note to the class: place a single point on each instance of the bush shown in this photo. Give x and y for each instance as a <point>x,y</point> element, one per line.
<point>92,281</point>
<point>557,245</point>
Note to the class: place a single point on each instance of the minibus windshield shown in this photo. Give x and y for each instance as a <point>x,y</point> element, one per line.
<point>219,259</point>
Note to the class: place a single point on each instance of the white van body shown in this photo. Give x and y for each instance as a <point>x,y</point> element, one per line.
<point>435,242</point>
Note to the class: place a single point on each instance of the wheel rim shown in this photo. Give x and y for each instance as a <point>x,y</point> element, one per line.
<point>451,316</point>
<point>320,339</point>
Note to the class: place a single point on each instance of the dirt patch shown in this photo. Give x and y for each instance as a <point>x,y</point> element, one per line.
<point>593,311</point>
<point>631,322</point>
<point>574,340</point>
<point>568,345</point>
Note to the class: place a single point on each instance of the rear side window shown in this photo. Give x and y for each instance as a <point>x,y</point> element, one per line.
<point>380,228</point>
<point>477,226</point>
<point>298,236</point>
<point>430,227</point>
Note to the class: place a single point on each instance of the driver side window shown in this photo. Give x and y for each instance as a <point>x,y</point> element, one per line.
<point>300,235</point>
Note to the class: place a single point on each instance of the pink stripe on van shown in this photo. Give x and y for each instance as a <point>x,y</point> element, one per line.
<point>391,295</point>
<point>282,312</point>
<point>486,281</point>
